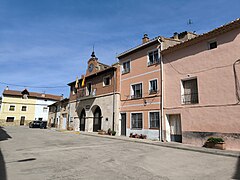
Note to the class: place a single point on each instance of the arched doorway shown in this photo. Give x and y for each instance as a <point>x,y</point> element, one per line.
<point>82,120</point>
<point>97,119</point>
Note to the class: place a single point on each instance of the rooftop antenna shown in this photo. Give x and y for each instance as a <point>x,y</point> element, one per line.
<point>189,22</point>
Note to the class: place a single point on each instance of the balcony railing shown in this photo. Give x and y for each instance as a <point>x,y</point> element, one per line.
<point>191,98</point>
<point>155,61</point>
<point>153,91</point>
<point>127,70</point>
<point>83,93</point>
<point>136,96</point>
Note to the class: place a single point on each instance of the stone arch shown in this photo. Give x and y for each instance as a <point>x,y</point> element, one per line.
<point>97,118</point>
<point>82,119</point>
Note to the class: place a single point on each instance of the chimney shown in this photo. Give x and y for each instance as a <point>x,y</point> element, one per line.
<point>145,38</point>
<point>43,94</point>
<point>7,88</point>
<point>175,36</point>
<point>62,97</point>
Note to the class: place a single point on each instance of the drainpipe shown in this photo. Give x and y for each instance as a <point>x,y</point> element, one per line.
<point>161,93</point>
<point>114,86</point>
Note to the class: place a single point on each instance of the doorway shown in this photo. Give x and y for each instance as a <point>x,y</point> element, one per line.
<point>22,120</point>
<point>175,128</point>
<point>82,120</point>
<point>123,124</point>
<point>97,119</point>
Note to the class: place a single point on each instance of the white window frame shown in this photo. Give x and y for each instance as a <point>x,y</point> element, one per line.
<point>138,112</point>
<point>182,89</point>
<point>148,60</point>
<point>108,76</point>
<point>22,116</point>
<point>149,85</point>
<point>150,121</point>
<point>132,92</point>
<point>26,108</point>
<point>8,117</point>
<point>87,92</point>
<point>212,41</point>
<point>125,61</point>
<point>10,106</point>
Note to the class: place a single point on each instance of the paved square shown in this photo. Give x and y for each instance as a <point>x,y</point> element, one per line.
<point>32,154</point>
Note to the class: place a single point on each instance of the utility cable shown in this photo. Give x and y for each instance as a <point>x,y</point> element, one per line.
<point>39,87</point>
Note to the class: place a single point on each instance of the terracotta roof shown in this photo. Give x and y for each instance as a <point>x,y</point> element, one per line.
<point>217,31</point>
<point>94,74</point>
<point>138,46</point>
<point>33,95</point>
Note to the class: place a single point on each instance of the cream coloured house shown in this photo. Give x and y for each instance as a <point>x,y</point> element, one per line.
<point>19,107</point>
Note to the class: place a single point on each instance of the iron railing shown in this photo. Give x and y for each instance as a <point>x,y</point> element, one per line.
<point>191,98</point>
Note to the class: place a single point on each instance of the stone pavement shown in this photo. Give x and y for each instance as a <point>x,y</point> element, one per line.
<point>42,154</point>
<point>174,145</point>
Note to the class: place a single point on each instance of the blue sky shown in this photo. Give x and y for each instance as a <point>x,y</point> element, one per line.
<point>47,43</point>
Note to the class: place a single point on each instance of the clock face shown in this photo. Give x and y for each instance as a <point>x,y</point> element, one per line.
<point>90,68</point>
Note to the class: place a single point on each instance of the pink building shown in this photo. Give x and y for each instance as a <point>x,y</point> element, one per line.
<point>140,86</point>
<point>202,88</point>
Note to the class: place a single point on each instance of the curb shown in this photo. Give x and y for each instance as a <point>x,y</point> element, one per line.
<point>186,147</point>
<point>227,153</point>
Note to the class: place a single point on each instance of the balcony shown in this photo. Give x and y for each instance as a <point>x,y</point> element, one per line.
<point>126,70</point>
<point>191,98</point>
<point>136,96</point>
<point>84,94</point>
<point>155,61</point>
<point>153,91</point>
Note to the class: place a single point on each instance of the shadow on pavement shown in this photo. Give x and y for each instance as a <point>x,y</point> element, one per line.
<point>3,136</point>
<point>237,171</point>
<point>3,173</point>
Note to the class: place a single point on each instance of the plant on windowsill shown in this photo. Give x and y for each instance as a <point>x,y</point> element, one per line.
<point>215,142</point>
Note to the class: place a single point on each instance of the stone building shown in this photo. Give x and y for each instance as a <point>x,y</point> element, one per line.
<point>58,116</point>
<point>94,99</point>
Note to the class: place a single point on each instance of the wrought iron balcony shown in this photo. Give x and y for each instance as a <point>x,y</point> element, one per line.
<point>82,93</point>
<point>136,96</point>
<point>191,98</point>
<point>155,61</point>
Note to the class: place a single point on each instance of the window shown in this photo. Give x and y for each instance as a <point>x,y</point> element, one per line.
<point>126,67</point>
<point>24,108</point>
<point>10,119</point>
<point>136,120</point>
<point>45,109</point>
<point>153,86</point>
<point>190,91</point>
<point>212,44</point>
<point>153,57</point>
<point>154,119</point>
<point>106,81</point>
<point>136,91</point>
<point>11,108</point>
<point>89,89</point>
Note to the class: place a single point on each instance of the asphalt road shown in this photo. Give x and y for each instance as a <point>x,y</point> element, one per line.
<point>32,154</point>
